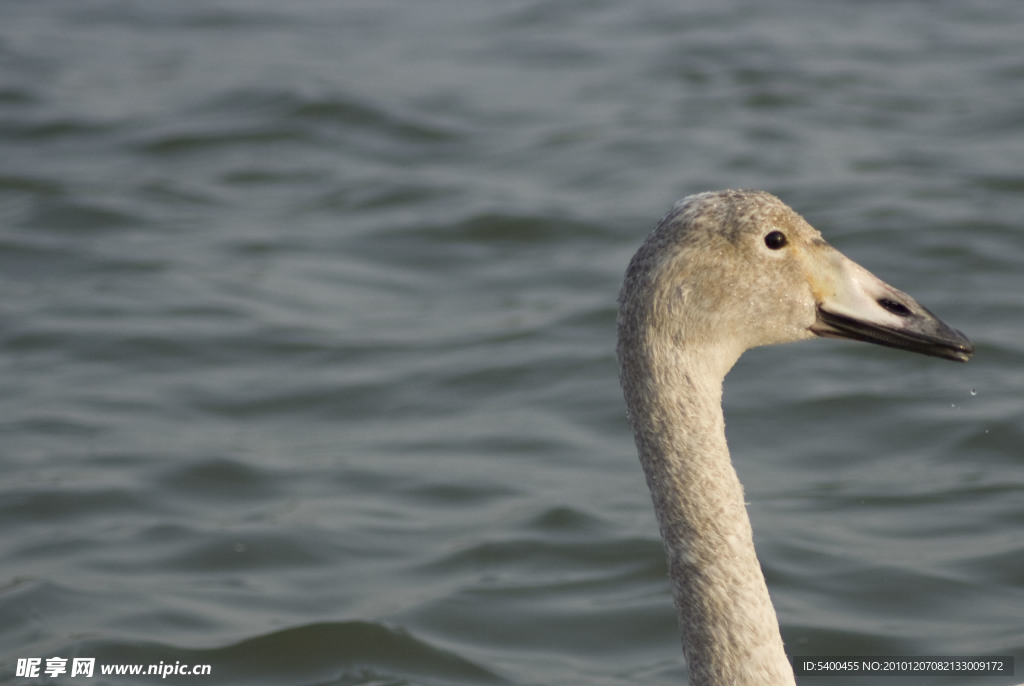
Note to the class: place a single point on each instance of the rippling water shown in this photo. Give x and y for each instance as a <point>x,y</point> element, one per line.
<point>307,331</point>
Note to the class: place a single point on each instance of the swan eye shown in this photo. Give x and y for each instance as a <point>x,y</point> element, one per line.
<point>775,240</point>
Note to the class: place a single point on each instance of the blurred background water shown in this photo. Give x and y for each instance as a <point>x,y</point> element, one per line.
<point>307,331</point>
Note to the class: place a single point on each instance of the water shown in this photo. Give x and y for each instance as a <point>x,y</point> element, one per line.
<point>307,332</point>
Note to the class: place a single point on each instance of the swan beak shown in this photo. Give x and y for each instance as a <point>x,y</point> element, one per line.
<point>855,304</point>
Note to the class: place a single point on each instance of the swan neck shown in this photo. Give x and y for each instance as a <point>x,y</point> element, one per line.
<point>729,629</point>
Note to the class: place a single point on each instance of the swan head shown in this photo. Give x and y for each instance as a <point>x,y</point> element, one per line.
<point>726,271</point>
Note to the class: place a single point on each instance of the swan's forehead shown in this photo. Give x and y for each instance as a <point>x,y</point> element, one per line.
<point>740,216</point>
<point>743,218</point>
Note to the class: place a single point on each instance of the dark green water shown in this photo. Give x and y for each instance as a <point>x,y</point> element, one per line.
<point>307,332</point>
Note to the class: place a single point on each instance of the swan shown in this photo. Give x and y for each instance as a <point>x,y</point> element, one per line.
<point>723,272</point>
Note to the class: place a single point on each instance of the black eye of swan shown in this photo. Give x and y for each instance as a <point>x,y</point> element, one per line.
<point>775,240</point>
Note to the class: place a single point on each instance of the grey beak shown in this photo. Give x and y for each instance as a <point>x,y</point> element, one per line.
<point>859,306</point>
<point>921,332</point>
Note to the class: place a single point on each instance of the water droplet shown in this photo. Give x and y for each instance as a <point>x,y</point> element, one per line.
<point>974,391</point>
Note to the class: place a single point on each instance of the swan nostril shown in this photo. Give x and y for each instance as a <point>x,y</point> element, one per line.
<point>898,309</point>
